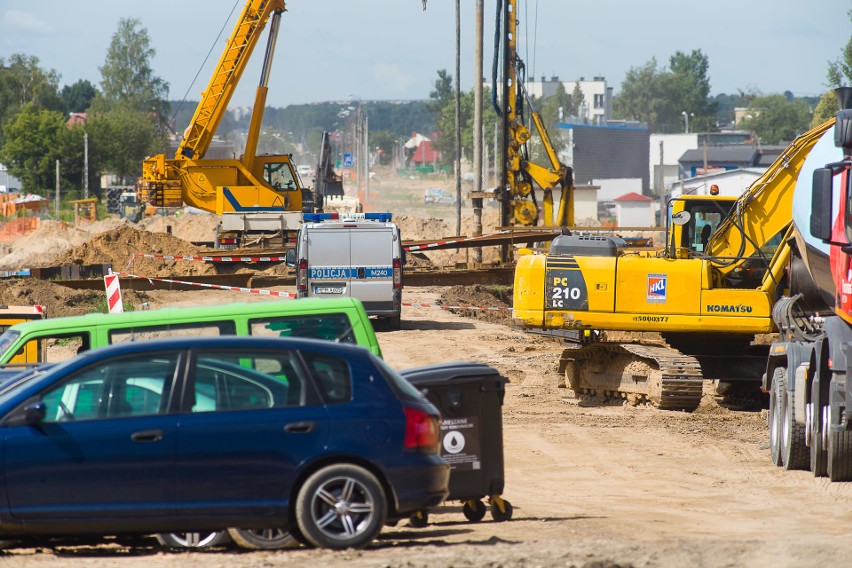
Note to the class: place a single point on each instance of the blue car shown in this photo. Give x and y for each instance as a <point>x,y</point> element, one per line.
<point>320,439</point>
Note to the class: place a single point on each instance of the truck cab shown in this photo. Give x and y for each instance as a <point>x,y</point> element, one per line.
<point>355,255</point>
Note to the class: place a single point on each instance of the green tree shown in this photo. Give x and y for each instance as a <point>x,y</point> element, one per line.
<point>386,141</point>
<point>643,97</point>
<point>825,109</point>
<point>660,96</point>
<point>127,76</point>
<point>443,93</point>
<point>23,82</point>
<point>690,89</point>
<point>839,74</point>
<point>776,119</point>
<point>121,138</point>
<point>78,97</point>
<point>31,147</point>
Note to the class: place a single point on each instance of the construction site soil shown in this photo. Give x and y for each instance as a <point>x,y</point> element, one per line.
<point>593,485</point>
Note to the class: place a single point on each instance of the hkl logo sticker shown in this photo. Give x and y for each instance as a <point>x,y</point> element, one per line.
<point>656,288</point>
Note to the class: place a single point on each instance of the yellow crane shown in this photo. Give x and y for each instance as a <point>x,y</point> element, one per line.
<point>258,197</point>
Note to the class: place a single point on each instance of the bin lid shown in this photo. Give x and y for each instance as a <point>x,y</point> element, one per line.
<point>453,371</point>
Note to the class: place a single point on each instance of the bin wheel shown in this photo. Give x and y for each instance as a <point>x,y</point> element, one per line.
<point>499,514</point>
<point>419,519</point>
<point>474,510</point>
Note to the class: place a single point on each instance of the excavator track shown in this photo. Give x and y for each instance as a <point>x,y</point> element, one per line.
<point>658,374</point>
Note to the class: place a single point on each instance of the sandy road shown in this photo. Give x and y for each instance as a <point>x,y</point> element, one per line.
<point>591,486</point>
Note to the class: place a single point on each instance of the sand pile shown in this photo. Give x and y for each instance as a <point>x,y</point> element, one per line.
<point>189,227</point>
<point>59,300</point>
<point>482,297</point>
<point>118,248</point>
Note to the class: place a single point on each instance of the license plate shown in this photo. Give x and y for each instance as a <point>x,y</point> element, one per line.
<point>328,289</point>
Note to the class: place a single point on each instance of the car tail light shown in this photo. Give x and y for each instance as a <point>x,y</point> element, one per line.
<point>397,273</point>
<point>421,431</point>
<point>302,275</point>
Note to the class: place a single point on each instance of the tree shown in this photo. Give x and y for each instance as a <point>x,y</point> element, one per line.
<point>659,96</point>
<point>121,139</point>
<point>23,82</point>
<point>825,109</point>
<point>31,147</point>
<point>386,141</point>
<point>776,119</point>
<point>690,89</point>
<point>127,77</point>
<point>839,74</point>
<point>643,96</point>
<point>78,97</point>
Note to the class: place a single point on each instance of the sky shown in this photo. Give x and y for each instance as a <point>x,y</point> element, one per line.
<point>335,50</point>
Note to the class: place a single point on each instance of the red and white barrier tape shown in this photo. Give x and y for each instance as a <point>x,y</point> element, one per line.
<point>441,243</point>
<point>214,258</point>
<point>260,291</point>
<point>291,295</point>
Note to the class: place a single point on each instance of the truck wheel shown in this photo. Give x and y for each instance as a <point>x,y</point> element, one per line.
<point>776,413</point>
<point>341,506</point>
<point>794,452</point>
<point>839,451</point>
<point>819,460</point>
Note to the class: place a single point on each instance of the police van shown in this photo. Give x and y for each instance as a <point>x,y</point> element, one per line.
<point>356,255</point>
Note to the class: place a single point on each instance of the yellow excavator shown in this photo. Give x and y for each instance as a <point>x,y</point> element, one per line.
<point>708,293</point>
<point>259,198</point>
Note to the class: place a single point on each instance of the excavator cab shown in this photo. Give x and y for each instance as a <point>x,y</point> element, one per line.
<point>692,220</point>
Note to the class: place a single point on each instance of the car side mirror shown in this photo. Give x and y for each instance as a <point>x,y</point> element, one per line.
<point>821,204</point>
<point>35,412</point>
<point>290,257</point>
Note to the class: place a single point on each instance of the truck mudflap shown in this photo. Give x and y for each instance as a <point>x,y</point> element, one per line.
<point>657,374</point>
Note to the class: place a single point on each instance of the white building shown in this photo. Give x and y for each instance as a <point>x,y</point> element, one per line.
<point>597,105</point>
<point>634,210</point>
<point>729,182</point>
<point>672,147</point>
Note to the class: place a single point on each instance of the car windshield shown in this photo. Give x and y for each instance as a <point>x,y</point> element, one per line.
<point>24,379</point>
<point>6,340</point>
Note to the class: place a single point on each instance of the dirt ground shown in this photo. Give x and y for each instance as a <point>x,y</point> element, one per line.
<point>592,486</point>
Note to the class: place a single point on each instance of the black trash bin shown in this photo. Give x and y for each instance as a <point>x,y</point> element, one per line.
<point>470,399</point>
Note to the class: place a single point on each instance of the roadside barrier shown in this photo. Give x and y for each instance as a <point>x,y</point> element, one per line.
<point>260,291</point>
<point>213,258</point>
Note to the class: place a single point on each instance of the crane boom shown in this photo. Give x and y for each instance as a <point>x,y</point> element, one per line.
<point>226,76</point>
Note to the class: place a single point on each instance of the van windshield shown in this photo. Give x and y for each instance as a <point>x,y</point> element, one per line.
<point>7,340</point>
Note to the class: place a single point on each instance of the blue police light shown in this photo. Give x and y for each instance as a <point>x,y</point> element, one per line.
<point>383,217</point>
<point>318,217</point>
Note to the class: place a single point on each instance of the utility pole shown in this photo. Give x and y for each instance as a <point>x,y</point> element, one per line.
<point>458,118</point>
<point>86,165</point>
<point>477,131</point>
<point>56,200</point>
<point>661,187</point>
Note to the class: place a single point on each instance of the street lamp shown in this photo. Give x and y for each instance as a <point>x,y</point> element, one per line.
<point>686,120</point>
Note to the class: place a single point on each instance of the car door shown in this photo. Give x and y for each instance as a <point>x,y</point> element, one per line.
<point>105,447</point>
<point>250,420</point>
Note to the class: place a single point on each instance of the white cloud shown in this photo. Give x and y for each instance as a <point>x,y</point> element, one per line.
<point>25,22</point>
<point>392,78</point>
